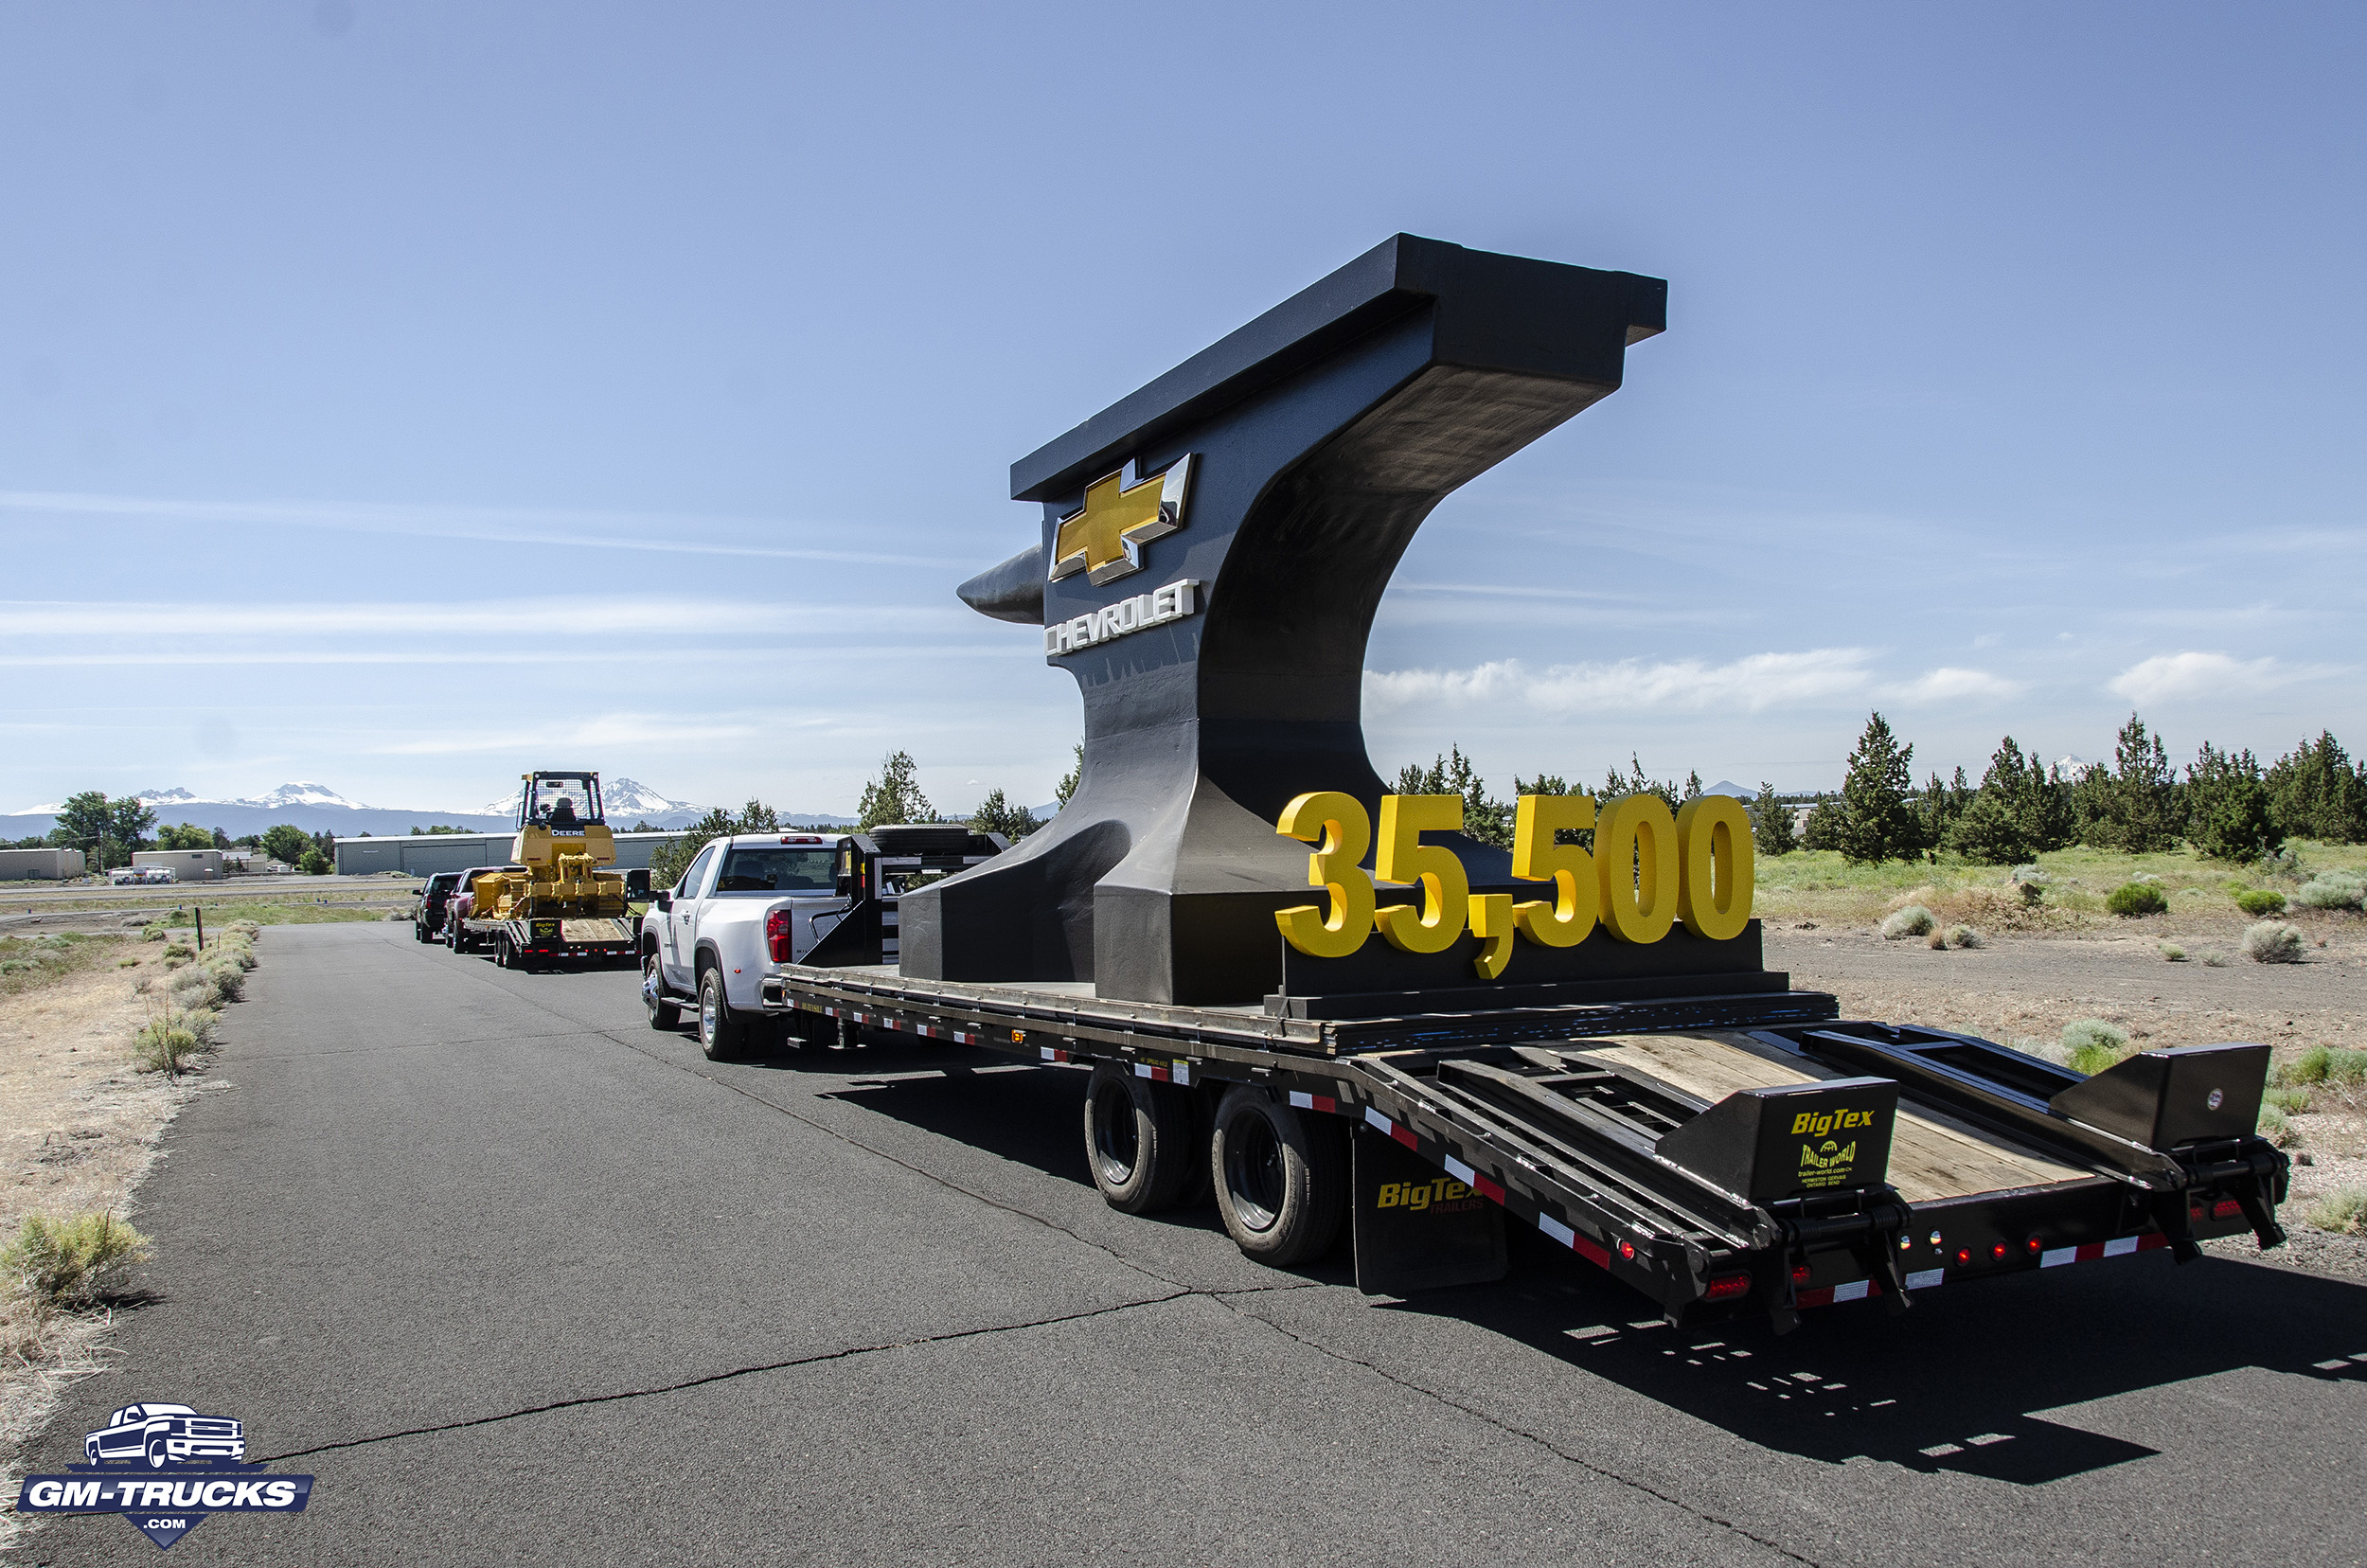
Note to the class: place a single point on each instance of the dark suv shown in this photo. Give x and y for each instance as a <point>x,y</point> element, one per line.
<point>428,920</point>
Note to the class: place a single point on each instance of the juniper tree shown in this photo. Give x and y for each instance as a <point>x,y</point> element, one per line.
<point>1878,823</point>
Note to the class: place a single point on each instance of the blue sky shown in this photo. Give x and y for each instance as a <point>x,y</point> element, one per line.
<point>404,396</point>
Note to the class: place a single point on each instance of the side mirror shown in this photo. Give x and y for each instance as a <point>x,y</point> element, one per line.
<point>665,901</point>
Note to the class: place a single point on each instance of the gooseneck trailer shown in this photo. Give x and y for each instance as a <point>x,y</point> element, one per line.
<point>1662,1142</point>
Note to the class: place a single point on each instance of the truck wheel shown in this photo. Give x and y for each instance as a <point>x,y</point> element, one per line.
<point>663,1014</point>
<point>1138,1139</point>
<point>1281,1178</point>
<point>158,1455</point>
<point>721,1034</point>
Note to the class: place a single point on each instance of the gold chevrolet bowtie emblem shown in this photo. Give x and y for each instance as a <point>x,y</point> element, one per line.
<point>1121,514</point>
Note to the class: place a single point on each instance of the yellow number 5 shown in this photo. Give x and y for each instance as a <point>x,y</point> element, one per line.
<point>1403,858</point>
<point>1577,898</point>
<point>1347,832</point>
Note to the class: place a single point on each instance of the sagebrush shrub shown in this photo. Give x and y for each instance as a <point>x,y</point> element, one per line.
<point>2331,890</point>
<point>2343,1211</point>
<point>64,1263</point>
<point>1964,937</point>
<point>2323,1064</point>
<point>2090,1045</point>
<point>2172,952</point>
<point>2132,900</point>
<point>1914,920</point>
<point>2272,942</point>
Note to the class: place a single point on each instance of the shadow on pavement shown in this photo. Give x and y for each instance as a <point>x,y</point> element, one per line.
<point>1959,1383</point>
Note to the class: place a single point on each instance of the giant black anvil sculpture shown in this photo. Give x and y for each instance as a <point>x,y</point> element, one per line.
<point>1214,548</point>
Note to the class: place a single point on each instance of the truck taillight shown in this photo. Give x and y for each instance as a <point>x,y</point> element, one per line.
<point>1727,1287</point>
<point>776,934</point>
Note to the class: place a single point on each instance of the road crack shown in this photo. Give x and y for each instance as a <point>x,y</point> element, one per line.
<point>818,1358</point>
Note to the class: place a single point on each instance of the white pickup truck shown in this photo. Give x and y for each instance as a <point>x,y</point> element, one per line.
<point>745,906</point>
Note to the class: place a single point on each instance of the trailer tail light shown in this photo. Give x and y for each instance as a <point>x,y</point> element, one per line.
<point>2035,1244</point>
<point>1626,1249</point>
<point>1800,1274</point>
<point>1997,1252</point>
<point>1728,1288</point>
<point>1963,1256</point>
<point>776,934</point>
<point>2226,1208</point>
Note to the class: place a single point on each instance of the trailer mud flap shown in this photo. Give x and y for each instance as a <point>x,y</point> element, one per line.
<point>1418,1229</point>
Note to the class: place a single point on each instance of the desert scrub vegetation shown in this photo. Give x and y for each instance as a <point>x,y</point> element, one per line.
<point>2062,891</point>
<point>2134,898</point>
<point>2272,942</point>
<point>2331,890</point>
<point>27,963</point>
<point>2091,1045</point>
<point>2342,1211</point>
<point>1914,920</point>
<point>66,1265</point>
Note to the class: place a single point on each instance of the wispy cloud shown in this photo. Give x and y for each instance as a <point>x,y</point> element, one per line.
<point>1754,682</point>
<point>659,533</point>
<point>1950,683</point>
<point>2173,677</point>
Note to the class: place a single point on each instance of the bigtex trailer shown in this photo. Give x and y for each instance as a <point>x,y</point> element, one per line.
<point>1331,1003</point>
<point>1722,1155</point>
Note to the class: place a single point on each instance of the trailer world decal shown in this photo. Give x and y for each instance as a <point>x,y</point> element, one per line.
<point>165,1468</point>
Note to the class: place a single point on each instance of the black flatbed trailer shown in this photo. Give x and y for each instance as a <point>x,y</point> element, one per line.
<point>1637,1133</point>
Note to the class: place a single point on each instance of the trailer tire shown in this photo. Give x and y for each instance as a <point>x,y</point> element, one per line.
<point>723,1034</point>
<point>1138,1139</point>
<point>663,1014</point>
<point>1281,1178</point>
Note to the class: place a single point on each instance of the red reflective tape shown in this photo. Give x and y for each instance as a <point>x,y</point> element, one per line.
<point>1326,1104</point>
<point>1404,1135</point>
<point>1593,1251</point>
<point>1816,1298</point>
<point>1488,1189</point>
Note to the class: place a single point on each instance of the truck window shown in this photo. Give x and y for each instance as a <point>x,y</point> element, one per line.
<point>688,886</point>
<point>767,868</point>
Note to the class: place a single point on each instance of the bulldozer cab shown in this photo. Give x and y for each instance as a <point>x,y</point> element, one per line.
<point>562,839</point>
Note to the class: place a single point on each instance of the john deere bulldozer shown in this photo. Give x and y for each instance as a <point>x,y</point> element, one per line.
<point>565,904</point>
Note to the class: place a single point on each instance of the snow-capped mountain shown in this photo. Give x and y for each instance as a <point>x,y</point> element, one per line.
<point>300,793</point>
<point>2074,765</point>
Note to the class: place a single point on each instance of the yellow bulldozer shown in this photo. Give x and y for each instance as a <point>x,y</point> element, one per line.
<point>565,904</point>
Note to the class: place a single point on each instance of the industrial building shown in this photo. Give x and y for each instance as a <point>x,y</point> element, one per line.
<point>39,865</point>
<point>424,854</point>
<point>185,865</point>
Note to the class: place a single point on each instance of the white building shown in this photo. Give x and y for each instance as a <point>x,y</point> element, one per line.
<point>39,865</point>
<point>187,865</point>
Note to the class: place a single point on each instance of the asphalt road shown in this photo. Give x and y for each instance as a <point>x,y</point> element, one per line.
<point>521,1280</point>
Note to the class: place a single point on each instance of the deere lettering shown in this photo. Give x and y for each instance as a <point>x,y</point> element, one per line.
<point>1816,1125</point>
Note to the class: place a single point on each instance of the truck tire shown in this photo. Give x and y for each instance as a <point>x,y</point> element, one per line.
<point>1138,1139</point>
<point>1281,1178</point>
<point>663,1014</point>
<point>723,1034</point>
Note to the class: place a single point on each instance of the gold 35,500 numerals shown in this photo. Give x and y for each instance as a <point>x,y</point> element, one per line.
<point>1649,871</point>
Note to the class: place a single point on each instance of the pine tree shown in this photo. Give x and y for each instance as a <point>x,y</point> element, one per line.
<point>2316,793</point>
<point>2228,814</point>
<point>895,795</point>
<point>2139,808</point>
<point>1772,824</point>
<point>1822,828</point>
<point>1074,777</point>
<point>1995,826</point>
<point>1878,823</point>
<point>1485,818</point>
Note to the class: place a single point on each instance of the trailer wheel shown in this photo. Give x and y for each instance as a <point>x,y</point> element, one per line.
<point>1281,1178</point>
<point>722,1035</point>
<point>1138,1139</point>
<point>663,1014</point>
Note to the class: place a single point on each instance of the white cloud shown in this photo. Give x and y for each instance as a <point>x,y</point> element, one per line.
<point>1757,680</point>
<point>1950,683</point>
<point>2171,677</point>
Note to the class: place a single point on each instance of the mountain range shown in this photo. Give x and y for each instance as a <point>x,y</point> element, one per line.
<point>316,808</point>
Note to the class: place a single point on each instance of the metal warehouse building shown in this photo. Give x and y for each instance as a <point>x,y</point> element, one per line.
<point>424,854</point>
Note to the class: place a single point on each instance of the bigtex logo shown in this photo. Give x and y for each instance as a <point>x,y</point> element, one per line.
<point>1444,1192</point>
<point>165,1468</point>
<point>1816,1124</point>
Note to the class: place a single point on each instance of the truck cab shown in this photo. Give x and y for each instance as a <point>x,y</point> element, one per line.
<point>751,905</point>
<point>165,1434</point>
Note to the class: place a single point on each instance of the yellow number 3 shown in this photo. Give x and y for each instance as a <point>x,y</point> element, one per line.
<point>1345,831</point>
